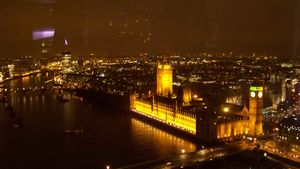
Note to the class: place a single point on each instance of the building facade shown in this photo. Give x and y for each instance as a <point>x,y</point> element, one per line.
<point>164,78</point>
<point>66,59</point>
<point>210,124</point>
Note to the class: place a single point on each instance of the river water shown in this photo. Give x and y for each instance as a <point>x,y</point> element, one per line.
<point>110,137</point>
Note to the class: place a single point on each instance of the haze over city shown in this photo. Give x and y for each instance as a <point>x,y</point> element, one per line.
<point>118,27</point>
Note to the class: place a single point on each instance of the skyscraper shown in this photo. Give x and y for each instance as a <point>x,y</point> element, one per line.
<point>66,57</point>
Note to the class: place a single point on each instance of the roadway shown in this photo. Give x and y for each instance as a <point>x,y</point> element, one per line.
<point>195,157</point>
<point>282,161</point>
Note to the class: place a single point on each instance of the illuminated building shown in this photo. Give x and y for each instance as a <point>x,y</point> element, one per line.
<point>11,69</point>
<point>164,80</point>
<point>187,95</point>
<point>66,57</point>
<point>1,77</point>
<point>283,91</point>
<point>165,110</point>
<point>255,110</point>
<point>66,61</point>
<point>289,131</point>
<point>228,121</point>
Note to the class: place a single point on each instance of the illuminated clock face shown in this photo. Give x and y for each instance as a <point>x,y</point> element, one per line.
<point>252,94</point>
<point>260,94</point>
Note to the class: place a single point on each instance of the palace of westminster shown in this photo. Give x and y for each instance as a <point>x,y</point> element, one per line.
<point>187,113</point>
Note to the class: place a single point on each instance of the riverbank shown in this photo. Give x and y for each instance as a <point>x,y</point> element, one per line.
<point>20,76</point>
<point>110,136</point>
<point>117,102</point>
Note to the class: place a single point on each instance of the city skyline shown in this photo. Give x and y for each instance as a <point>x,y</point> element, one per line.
<point>229,107</point>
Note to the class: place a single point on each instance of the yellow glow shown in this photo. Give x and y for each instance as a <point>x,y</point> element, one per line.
<point>185,121</point>
<point>250,124</point>
<point>260,94</point>
<point>187,96</point>
<point>255,117</point>
<point>254,88</point>
<point>26,79</point>
<point>165,114</point>
<point>167,67</point>
<point>226,109</point>
<point>164,80</point>
<point>162,139</point>
<point>232,129</point>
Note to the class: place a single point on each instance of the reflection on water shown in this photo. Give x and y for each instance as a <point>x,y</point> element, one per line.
<point>68,114</point>
<point>109,136</point>
<point>163,141</point>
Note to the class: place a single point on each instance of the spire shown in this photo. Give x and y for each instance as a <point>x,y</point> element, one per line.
<point>66,42</point>
<point>66,47</point>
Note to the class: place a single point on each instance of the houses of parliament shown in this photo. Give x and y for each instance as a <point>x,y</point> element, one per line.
<point>187,113</point>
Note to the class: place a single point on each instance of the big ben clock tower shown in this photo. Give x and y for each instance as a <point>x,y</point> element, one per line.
<point>255,110</point>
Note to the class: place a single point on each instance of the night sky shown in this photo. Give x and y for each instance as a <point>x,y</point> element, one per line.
<point>121,26</point>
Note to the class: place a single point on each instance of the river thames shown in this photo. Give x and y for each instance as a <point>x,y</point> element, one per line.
<point>110,137</point>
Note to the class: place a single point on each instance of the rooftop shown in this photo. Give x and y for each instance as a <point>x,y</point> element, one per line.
<point>293,120</point>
